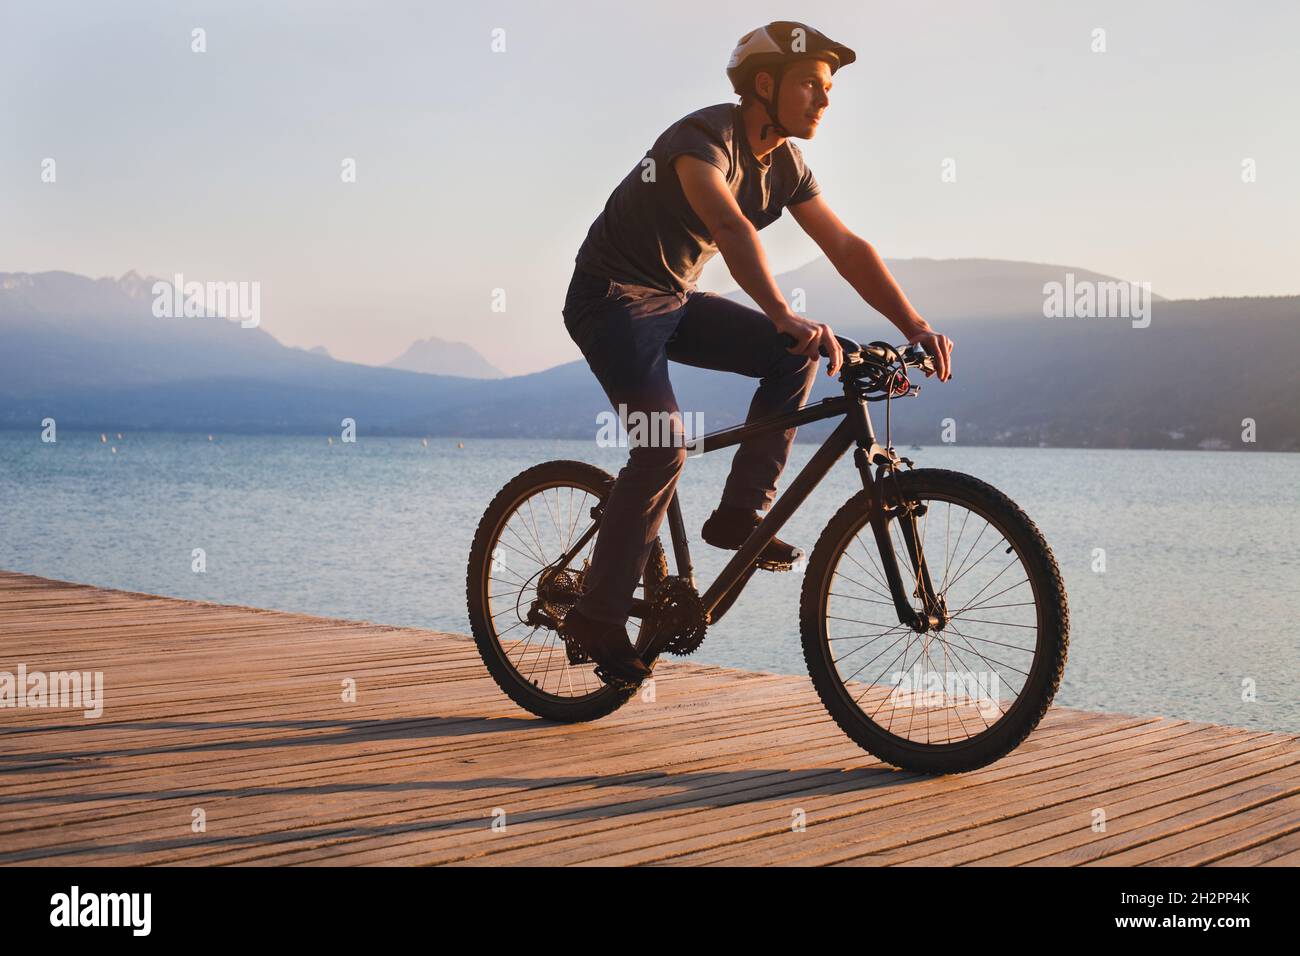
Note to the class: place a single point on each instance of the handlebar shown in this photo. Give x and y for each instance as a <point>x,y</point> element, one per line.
<point>912,356</point>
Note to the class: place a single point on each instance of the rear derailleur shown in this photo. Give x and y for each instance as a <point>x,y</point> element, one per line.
<point>558,590</point>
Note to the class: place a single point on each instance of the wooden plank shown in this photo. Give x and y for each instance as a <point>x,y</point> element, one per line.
<point>1265,854</point>
<point>1258,817</point>
<point>864,829</point>
<point>1047,835</point>
<point>237,711</point>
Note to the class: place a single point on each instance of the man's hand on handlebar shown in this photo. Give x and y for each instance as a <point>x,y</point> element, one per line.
<point>939,346</point>
<point>812,339</point>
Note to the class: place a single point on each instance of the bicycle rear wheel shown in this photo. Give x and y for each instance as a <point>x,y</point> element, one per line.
<point>514,574</point>
<point>959,695</point>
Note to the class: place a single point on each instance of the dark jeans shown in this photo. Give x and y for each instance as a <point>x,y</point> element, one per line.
<point>627,334</point>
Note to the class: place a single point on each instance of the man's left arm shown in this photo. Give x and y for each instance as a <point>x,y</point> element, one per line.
<point>860,264</point>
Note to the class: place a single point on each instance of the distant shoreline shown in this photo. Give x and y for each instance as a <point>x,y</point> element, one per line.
<point>901,446</point>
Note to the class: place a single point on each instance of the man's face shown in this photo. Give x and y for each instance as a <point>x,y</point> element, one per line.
<point>804,96</point>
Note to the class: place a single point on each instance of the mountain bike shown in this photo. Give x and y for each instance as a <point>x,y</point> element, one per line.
<point>933,616</point>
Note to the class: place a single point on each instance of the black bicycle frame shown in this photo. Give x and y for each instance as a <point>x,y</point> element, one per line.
<point>855,429</point>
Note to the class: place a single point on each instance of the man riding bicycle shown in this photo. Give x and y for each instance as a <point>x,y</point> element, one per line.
<point>708,184</point>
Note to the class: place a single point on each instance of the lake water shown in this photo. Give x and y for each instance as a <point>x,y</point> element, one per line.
<point>1197,604</point>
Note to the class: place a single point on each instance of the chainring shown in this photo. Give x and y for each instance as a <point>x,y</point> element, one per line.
<point>677,610</point>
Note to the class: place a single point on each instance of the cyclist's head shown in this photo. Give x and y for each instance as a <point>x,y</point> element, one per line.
<point>765,58</point>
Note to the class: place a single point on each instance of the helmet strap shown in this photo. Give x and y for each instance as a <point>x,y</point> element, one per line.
<point>770,104</point>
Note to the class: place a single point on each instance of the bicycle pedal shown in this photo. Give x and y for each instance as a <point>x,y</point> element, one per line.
<point>613,681</point>
<point>778,566</point>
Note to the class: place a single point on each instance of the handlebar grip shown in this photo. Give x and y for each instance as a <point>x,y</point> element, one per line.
<point>912,355</point>
<point>848,346</point>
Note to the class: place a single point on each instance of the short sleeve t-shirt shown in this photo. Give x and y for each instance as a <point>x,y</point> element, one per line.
<point>649,235</point>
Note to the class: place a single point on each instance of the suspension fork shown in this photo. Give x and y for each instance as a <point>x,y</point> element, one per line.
<point>905,514</point>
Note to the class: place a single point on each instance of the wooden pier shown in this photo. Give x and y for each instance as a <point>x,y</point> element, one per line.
<point>228,737</point>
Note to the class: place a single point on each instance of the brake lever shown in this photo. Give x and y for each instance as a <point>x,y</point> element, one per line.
<point>917,356</point>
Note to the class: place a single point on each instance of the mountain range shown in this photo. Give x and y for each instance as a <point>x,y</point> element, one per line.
<point>91,354</point>
<point>435,356</point>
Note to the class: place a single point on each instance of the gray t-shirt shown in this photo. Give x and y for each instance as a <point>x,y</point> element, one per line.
<point>648,234</point>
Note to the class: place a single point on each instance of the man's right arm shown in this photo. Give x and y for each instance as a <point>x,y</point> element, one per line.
<point>737,239</point>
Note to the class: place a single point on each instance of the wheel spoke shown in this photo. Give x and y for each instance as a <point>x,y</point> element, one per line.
<point>540,527</point>
<point>865,587</point>
<point>928,693</point>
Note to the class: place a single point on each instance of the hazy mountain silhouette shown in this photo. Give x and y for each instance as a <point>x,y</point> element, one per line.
<point>90,353</point>
<point>436,356</point>
<point>943,290</point>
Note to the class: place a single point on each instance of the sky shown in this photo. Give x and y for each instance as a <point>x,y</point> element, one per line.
<point>479,170</point>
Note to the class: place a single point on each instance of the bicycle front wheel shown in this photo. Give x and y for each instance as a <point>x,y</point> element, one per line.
<point>973,684</point>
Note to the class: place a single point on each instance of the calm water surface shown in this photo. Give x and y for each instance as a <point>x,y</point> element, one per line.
<point>1198,601</point>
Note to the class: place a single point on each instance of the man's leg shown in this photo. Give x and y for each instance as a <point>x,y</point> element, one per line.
<point>718,333</point>
<point>623,338</point>
<point>633,513</point>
